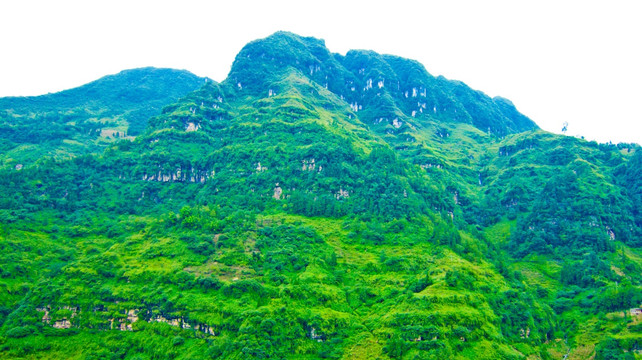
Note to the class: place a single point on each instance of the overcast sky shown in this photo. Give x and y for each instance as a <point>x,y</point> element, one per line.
<point>558,61</point>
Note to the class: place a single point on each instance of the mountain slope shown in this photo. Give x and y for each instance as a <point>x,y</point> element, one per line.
<point>281,214</point>
<point>85,119</point>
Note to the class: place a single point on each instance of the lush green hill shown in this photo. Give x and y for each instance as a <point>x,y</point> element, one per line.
<point>314,205</point>
<point>86,119</point>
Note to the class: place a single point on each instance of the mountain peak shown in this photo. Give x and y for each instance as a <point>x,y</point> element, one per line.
<point>260,59</point>
<point>384,86</point>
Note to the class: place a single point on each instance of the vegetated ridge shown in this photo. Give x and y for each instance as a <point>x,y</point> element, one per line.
<point>86,119</point>
<point>316,205</point>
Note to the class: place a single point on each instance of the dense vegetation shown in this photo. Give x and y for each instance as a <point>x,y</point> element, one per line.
<point>315,205</point>
<point>86,119</point>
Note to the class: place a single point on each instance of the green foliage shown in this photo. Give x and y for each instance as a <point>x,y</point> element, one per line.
<point>18,332</point>
<point>591,271</point>
<point>312,205</point>
<point>610,349</point>
<point>88,118</point>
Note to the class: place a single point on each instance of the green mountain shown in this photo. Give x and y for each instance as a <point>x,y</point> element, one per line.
<point>86,119</point>
<point>315,205</point>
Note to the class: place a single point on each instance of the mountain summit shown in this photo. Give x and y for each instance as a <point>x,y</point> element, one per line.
<point>383,86</point>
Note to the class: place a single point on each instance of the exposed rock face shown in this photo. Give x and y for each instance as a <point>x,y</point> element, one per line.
<point>73,310</point>
<point>205,329</point>
<point>308,165</point>
<point>315,336</point>
<point>132,317</point>
<point>123,324</point>
<point>160,318</point>
<point>427,166</point>
<point>46,318</point>
<point>62,324</point>
<point>191,127</point>
<point>610,232</point>
<point>277,192</point>
<point>524,333</point>
<point>180,322</point>
<point>342,194</point>
<point>180,175</point>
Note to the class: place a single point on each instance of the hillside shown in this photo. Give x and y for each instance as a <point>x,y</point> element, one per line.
<point>86,119</point>
<point>315,205</point>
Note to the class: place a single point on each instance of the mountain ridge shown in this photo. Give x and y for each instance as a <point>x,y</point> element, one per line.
<point>347,77</point>
<point>90,116</point>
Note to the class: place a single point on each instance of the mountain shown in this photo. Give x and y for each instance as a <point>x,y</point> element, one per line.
<point>314,205</point>
<point>86,119</point>
<point>387,87</point>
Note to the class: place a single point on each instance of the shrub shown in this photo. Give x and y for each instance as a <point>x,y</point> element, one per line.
<point>19,332</point>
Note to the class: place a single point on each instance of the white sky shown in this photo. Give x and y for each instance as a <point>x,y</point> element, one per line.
<point>574,61</point>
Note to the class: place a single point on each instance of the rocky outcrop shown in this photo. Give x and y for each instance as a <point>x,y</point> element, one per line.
<point>62,324</point>
<point>46,318</point>
<point>315,336</point>
<point>191,127</point>
<point>260,168</point>
<point>342,194</point>
<point>524,334</point>
<point>179,175</point>
<point>277,192</point>
<point>309,165</point>
<point>180,322</point>
<point>124,323</point>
